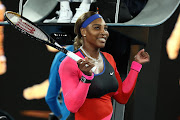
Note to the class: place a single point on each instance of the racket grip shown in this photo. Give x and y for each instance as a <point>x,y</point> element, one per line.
<point>93,69</point>
<point>73,56</point>
<point>76,58</point>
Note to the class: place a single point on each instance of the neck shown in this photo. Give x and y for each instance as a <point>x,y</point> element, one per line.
<point>94,53</point>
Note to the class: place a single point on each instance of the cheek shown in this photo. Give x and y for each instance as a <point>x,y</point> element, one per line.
<point>94,35</point>
<point>108,33</point>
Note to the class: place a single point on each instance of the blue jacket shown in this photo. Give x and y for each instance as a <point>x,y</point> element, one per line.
<point>54,87</point>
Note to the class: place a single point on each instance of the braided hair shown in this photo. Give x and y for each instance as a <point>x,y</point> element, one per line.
<point>78,39</point>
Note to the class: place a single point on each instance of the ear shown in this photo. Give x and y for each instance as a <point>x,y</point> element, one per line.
<point>83,31</point>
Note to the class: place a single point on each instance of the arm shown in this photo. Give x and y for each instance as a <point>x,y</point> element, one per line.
<point>55,83</point>
<point>127,86</point>
<point>173,43</point>
<point>74,90</point>
<point>54,88</point>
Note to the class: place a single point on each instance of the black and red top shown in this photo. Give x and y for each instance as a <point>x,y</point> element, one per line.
<point>92,101</point>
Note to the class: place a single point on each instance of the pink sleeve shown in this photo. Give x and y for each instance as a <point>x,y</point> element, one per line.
<point>127,86</point>
<point>74,90</point>
<point>136,66</point>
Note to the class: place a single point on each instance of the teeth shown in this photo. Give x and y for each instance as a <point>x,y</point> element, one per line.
<point>101,39</point>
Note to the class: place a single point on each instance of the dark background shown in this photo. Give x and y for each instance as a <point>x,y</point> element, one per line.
<point>157,93</point>
<point>28,63</point>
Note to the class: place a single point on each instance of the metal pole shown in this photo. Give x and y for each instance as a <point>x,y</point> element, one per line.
<point>117,11</point>
<point>20,7</point>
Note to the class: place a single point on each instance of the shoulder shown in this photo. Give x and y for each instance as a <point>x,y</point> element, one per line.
<point>69,66</point>
<point>70,62</point>
<point>108,56</point>
<point>105,53</point>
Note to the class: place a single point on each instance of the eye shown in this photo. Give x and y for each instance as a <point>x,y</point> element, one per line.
<point>97,27</point>
<point>106,28</point>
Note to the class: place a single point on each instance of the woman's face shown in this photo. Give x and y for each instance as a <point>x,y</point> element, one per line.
<point>96,34</point>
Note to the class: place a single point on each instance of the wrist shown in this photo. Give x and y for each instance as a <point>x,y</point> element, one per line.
<point>136,66</point>
<point>86,78</point>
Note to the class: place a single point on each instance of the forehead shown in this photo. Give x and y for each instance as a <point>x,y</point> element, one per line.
<point>98,21</point>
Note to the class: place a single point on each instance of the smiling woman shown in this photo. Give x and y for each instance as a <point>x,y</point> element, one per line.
<point>96,34</point>
<point>88,94</point>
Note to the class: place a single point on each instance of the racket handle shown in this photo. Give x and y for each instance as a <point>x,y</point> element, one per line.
<point>73,56</point>
<point>93,69</point>
<point>76,58</point>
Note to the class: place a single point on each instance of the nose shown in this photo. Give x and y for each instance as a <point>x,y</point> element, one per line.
<point>104,32</point>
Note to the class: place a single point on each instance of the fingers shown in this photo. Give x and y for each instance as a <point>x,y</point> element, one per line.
<point>142,50</point>
<point>79,62</point>
<point>84,63</point>
<point>144,54</point>
<point>86,58</point>
<point>142,57</point>
<point>85,66</point>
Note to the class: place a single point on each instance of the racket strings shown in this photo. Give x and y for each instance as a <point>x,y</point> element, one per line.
<point>26,27</point>
<point>29,29</point>
<point>13,22</point>
<point>32,30</point>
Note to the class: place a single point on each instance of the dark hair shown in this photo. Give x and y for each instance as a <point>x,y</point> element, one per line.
<point>78,39</point>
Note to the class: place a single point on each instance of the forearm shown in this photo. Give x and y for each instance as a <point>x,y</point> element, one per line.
<point>130,81</point>
<point>74,98</point>
<point>74,90</point>
<point>127,86</point>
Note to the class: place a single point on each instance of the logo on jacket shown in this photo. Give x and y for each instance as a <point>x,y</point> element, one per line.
<point>111,73</point>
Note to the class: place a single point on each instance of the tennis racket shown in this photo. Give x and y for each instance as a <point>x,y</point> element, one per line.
<point>30,29</point>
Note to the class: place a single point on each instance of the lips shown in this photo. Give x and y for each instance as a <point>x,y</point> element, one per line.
<point>102,39</point>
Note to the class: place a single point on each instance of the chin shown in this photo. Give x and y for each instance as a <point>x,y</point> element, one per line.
<point>102,46</point>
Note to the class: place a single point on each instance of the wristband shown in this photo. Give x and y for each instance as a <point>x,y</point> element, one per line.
<point>136,66</point>
<point>84,80</point>
<point>88,77</point>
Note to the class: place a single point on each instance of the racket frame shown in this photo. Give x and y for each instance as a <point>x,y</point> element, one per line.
<point>51,41</point>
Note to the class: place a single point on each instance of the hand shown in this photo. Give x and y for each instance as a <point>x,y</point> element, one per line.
<point>85,66</point>
<point>173,43</point>
<point>3,65</point>
<point>142,57</point>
